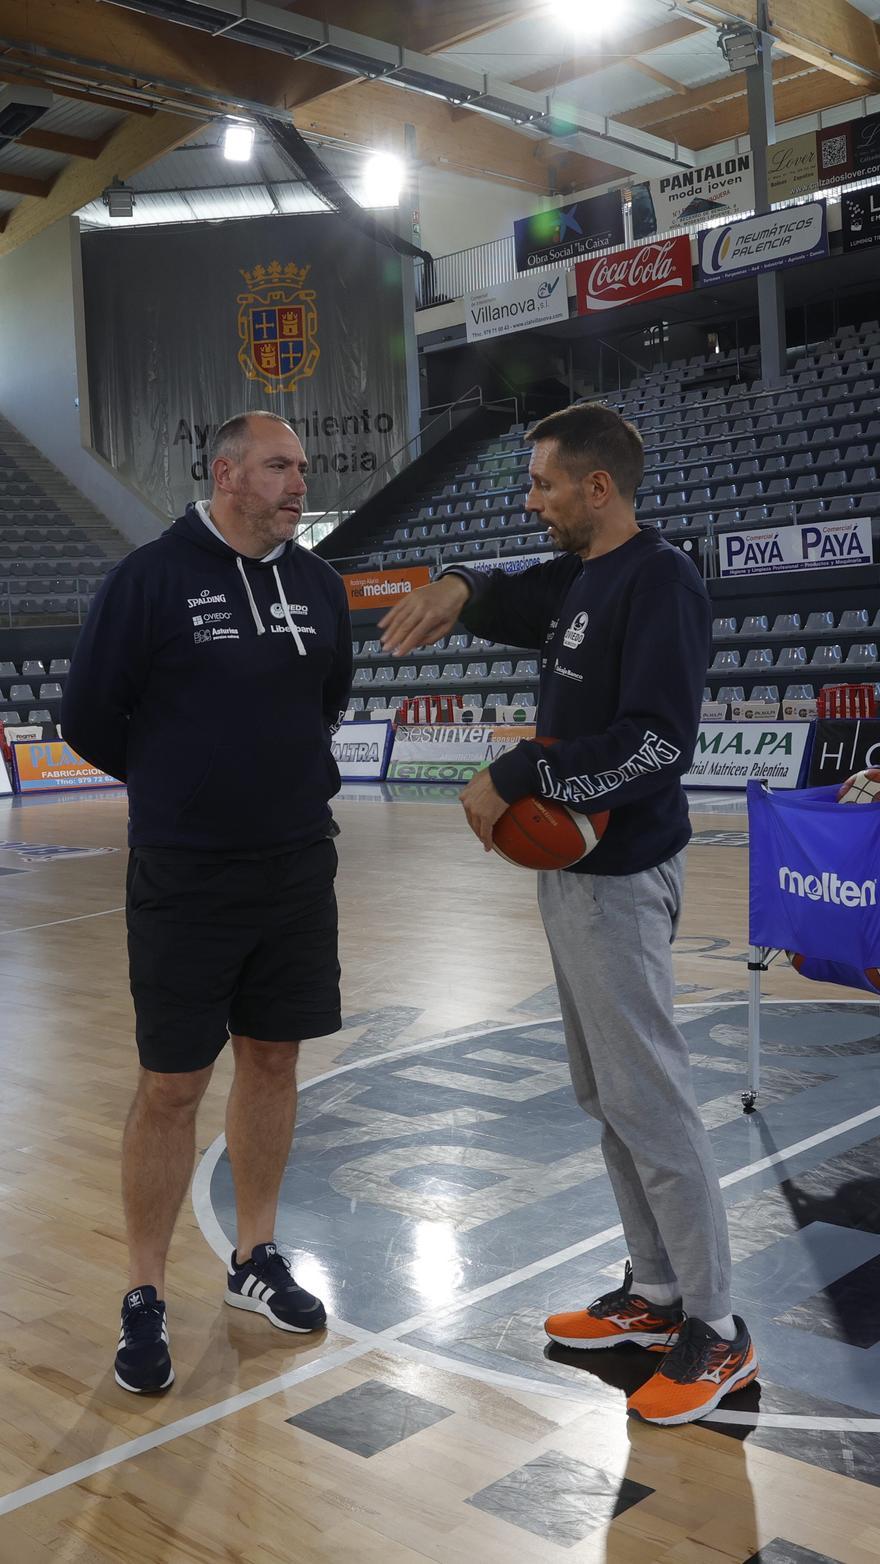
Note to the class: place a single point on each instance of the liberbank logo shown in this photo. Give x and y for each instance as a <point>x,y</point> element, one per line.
<point>828,887</point>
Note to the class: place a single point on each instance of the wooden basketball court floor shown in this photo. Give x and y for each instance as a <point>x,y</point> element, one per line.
<point>444,1194</point>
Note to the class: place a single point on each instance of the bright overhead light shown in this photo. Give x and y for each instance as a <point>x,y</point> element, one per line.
<point>588,18</point>
<point>238,142</point>
<point>382,180</point>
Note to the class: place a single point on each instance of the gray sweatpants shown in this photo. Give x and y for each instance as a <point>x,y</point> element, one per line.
<point>610,939</point>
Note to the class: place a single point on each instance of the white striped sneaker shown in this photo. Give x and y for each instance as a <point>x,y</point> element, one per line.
<point>264,1285</point>
<point>143,1358</point>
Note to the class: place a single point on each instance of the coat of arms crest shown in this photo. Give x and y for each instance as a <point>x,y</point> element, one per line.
<point>277,324</point>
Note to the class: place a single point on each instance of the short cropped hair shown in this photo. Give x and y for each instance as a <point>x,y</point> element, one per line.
<point>591,436</point>
<point>232,437</point>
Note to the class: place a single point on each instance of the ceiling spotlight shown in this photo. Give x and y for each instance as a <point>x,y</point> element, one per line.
<point>383,180</point>
<point>119,199</point>
<point>740,47</point>
<point>238,141</point>
<point>586,17</point>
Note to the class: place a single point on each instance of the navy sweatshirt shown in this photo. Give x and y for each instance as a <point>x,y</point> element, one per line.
<point>212,693</point>
<point>625,642</point>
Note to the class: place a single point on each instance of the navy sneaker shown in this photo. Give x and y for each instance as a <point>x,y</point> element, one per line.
<point>264,1285</point>
<point>143,1361</point>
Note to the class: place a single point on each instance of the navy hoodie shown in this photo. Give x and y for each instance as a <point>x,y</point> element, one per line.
<point>625,641</point>
<point>212,693</point>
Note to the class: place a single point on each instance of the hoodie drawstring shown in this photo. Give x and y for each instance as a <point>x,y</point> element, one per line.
<point>261,628</point>
<point>294,630</point>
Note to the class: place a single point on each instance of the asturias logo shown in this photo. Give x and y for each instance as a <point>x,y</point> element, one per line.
<point>828,887</point>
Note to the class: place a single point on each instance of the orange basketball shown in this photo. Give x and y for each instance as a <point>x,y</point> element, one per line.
<point>536,833</point>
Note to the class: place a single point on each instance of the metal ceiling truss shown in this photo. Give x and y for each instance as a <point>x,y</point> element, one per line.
<point>266,26</point>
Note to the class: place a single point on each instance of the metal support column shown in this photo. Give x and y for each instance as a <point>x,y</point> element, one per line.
<point>762,135</point>
<point>409,227</point>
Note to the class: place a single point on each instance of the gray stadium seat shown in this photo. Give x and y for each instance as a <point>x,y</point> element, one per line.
<point>725,661</point>
<point>32,670</point>
<point>526,668</point>
<point>755,624</point>
<point>50,692</point>
<point>819,622</point>
<point>786,624</point>
<point>864,653</point>
<point>854,619</point>
<point>826,656</point>
<point>792,657</point>
<point>21,692</point>
<point>8,671</point>
<point>799,692</point>
<point>758,657</point>
<point>731,692</point>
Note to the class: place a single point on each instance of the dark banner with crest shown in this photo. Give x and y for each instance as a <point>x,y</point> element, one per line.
<point>188,325</point>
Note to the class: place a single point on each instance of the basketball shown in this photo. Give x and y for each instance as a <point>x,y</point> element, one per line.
<point>536,833</point>
<point>863,788</point>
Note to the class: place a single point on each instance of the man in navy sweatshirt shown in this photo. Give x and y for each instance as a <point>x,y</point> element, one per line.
<point>622,621</point>
<point>212,670</point>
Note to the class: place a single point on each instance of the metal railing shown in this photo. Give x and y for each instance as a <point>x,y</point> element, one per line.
<point>343,507</point>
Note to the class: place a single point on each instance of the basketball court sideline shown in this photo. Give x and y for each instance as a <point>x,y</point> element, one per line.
<point>445,1193</point>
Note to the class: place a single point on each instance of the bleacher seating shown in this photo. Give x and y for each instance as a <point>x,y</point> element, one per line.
<point>55,548</point>
<point>722,453</point>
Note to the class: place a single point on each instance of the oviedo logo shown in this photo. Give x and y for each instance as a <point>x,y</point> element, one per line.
<point>277,324</point>
<point>576,631</point>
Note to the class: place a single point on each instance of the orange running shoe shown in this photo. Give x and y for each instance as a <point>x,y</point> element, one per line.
<point>699,1371</point>
<point>616,1318</point>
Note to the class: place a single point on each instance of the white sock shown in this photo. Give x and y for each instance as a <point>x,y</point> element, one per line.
<point>661,1293</point>
<point>725,1328</point>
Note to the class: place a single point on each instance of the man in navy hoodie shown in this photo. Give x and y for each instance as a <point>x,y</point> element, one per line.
<point>212,670</point>
<point>622,621</point>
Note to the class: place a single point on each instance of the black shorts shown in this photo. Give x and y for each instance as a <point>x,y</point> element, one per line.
<point>242,945</point>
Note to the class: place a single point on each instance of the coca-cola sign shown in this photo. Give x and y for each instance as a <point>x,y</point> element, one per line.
<point>649,271</point>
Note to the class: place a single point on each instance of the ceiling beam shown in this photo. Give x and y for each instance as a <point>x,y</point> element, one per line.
<point>473,145</point>
<point>669,82</point>
<point>20,184</point>
<point>134,144</point>
<point>67,146</point>
<point>587,61</point>
<point>808,92</point>
<point>16,77</point>
<point>832,35</point>
<point>683,112</point>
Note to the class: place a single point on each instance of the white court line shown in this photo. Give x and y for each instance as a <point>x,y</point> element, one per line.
<point>366,1342</point>
<point>57,922</point>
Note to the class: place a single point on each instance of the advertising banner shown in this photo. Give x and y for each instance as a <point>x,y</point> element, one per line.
<point>865,133</point>
<point>860,213</point>
<point>841,748</point>
<point>793,167</point>
<point>361,750</point>
<point>567,233</point>
<point>515,306</point>
<point>647,271</point>
<point>297,316</point>
<point>41,768</point>
<point>759,244</point>
<point>716,190</point>
<point>813,871</point>
<point>511,564</point>
<point>812,546</point>
<point>382,588</point>
<point>452,752</point>
<point>731,754</point>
